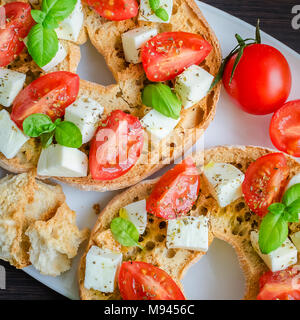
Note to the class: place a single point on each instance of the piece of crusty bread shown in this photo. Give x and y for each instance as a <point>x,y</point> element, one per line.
<point>126,95</point>
<point>23,200</point>
<point>231,224</point>
<point>174,262</point>
<point>55,242</point>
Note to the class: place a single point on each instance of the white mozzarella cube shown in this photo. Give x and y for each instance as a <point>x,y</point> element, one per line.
<point>279,259</point>
<point>158,125</point>
<point>11,137</point>
<point>226,182</point>
<point>85,113</point>
<point>60,161</point>
<point>59,57</point>
<point>137,214</point>
<point>146,13</point>
<point>296,240</point>
<point>188,233</point>
<point>11,83</point>
<point>193,85</point>
<point>101,269</point>
<point>69,29</point>
<point>133,40</point>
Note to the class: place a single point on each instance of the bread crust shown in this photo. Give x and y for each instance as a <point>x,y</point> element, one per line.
<point>126,95</point>
<point>231,224</point>
<point>23,201</point>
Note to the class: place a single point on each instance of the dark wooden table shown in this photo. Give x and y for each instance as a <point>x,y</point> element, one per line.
<point>276,17</point>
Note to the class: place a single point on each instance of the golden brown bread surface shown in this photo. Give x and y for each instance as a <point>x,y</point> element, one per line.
<point>126,95</point>
<point>231,224</point>
<point>55,242</point>
<point>36,225</point>
<point>23,200</point>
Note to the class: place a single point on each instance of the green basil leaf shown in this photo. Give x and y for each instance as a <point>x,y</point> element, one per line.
<point>162,14</point>
<point>161,98</point>
<point>57,10</point>
<point>272,233</point>
<point>291,214</point>
<point>293,211</point>
<point>67,134</point>
<point>154,4</point>
<point>295,206</point>
<point>50,23</point>
<point>125,232</point>
<point>42,44</point>
<point>47,139</point>
<point>291,195</point>
<point>38,16</point>
<point>57,121</point>
<point>276,208</point>
<point>37,124</point>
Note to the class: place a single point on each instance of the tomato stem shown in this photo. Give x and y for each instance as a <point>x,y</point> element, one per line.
<point>239,50</point>
<point>257,32</point>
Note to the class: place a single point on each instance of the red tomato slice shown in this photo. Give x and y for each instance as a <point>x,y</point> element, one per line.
<point>285,128</point>
<point>262,80</point>
<point>142,281</point>
<point>176,191</point>
<point>50,94</point>
<point>18,24</point>
<point>281,285</point>
<point>264,182</point>
<point>116,146</point>
<point>168,54</point>
<point>115,10</point>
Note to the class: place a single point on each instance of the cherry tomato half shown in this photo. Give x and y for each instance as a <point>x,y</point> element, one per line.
<point>167,55</point>
<point>116,146</point>
<point>285,128</point>
<point>175,192</point>
<point>18,22</point>
<point>142,281</point>
<point>262,80</point>
<point>114,9</point>
<point>281,285</point>
<point>264,182</point>
<point>50,94</point>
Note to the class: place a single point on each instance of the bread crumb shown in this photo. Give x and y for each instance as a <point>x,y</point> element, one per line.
<point>96,208</point>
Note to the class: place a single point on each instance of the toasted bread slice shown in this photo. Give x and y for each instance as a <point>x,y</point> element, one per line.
<point>24,63</point>
<point>36,225</point>
<point>23,201</point>
<point>126,95</point>
<point>231,224</point>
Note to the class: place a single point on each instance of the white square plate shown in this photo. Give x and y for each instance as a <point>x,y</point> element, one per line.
<point>217,275</point>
